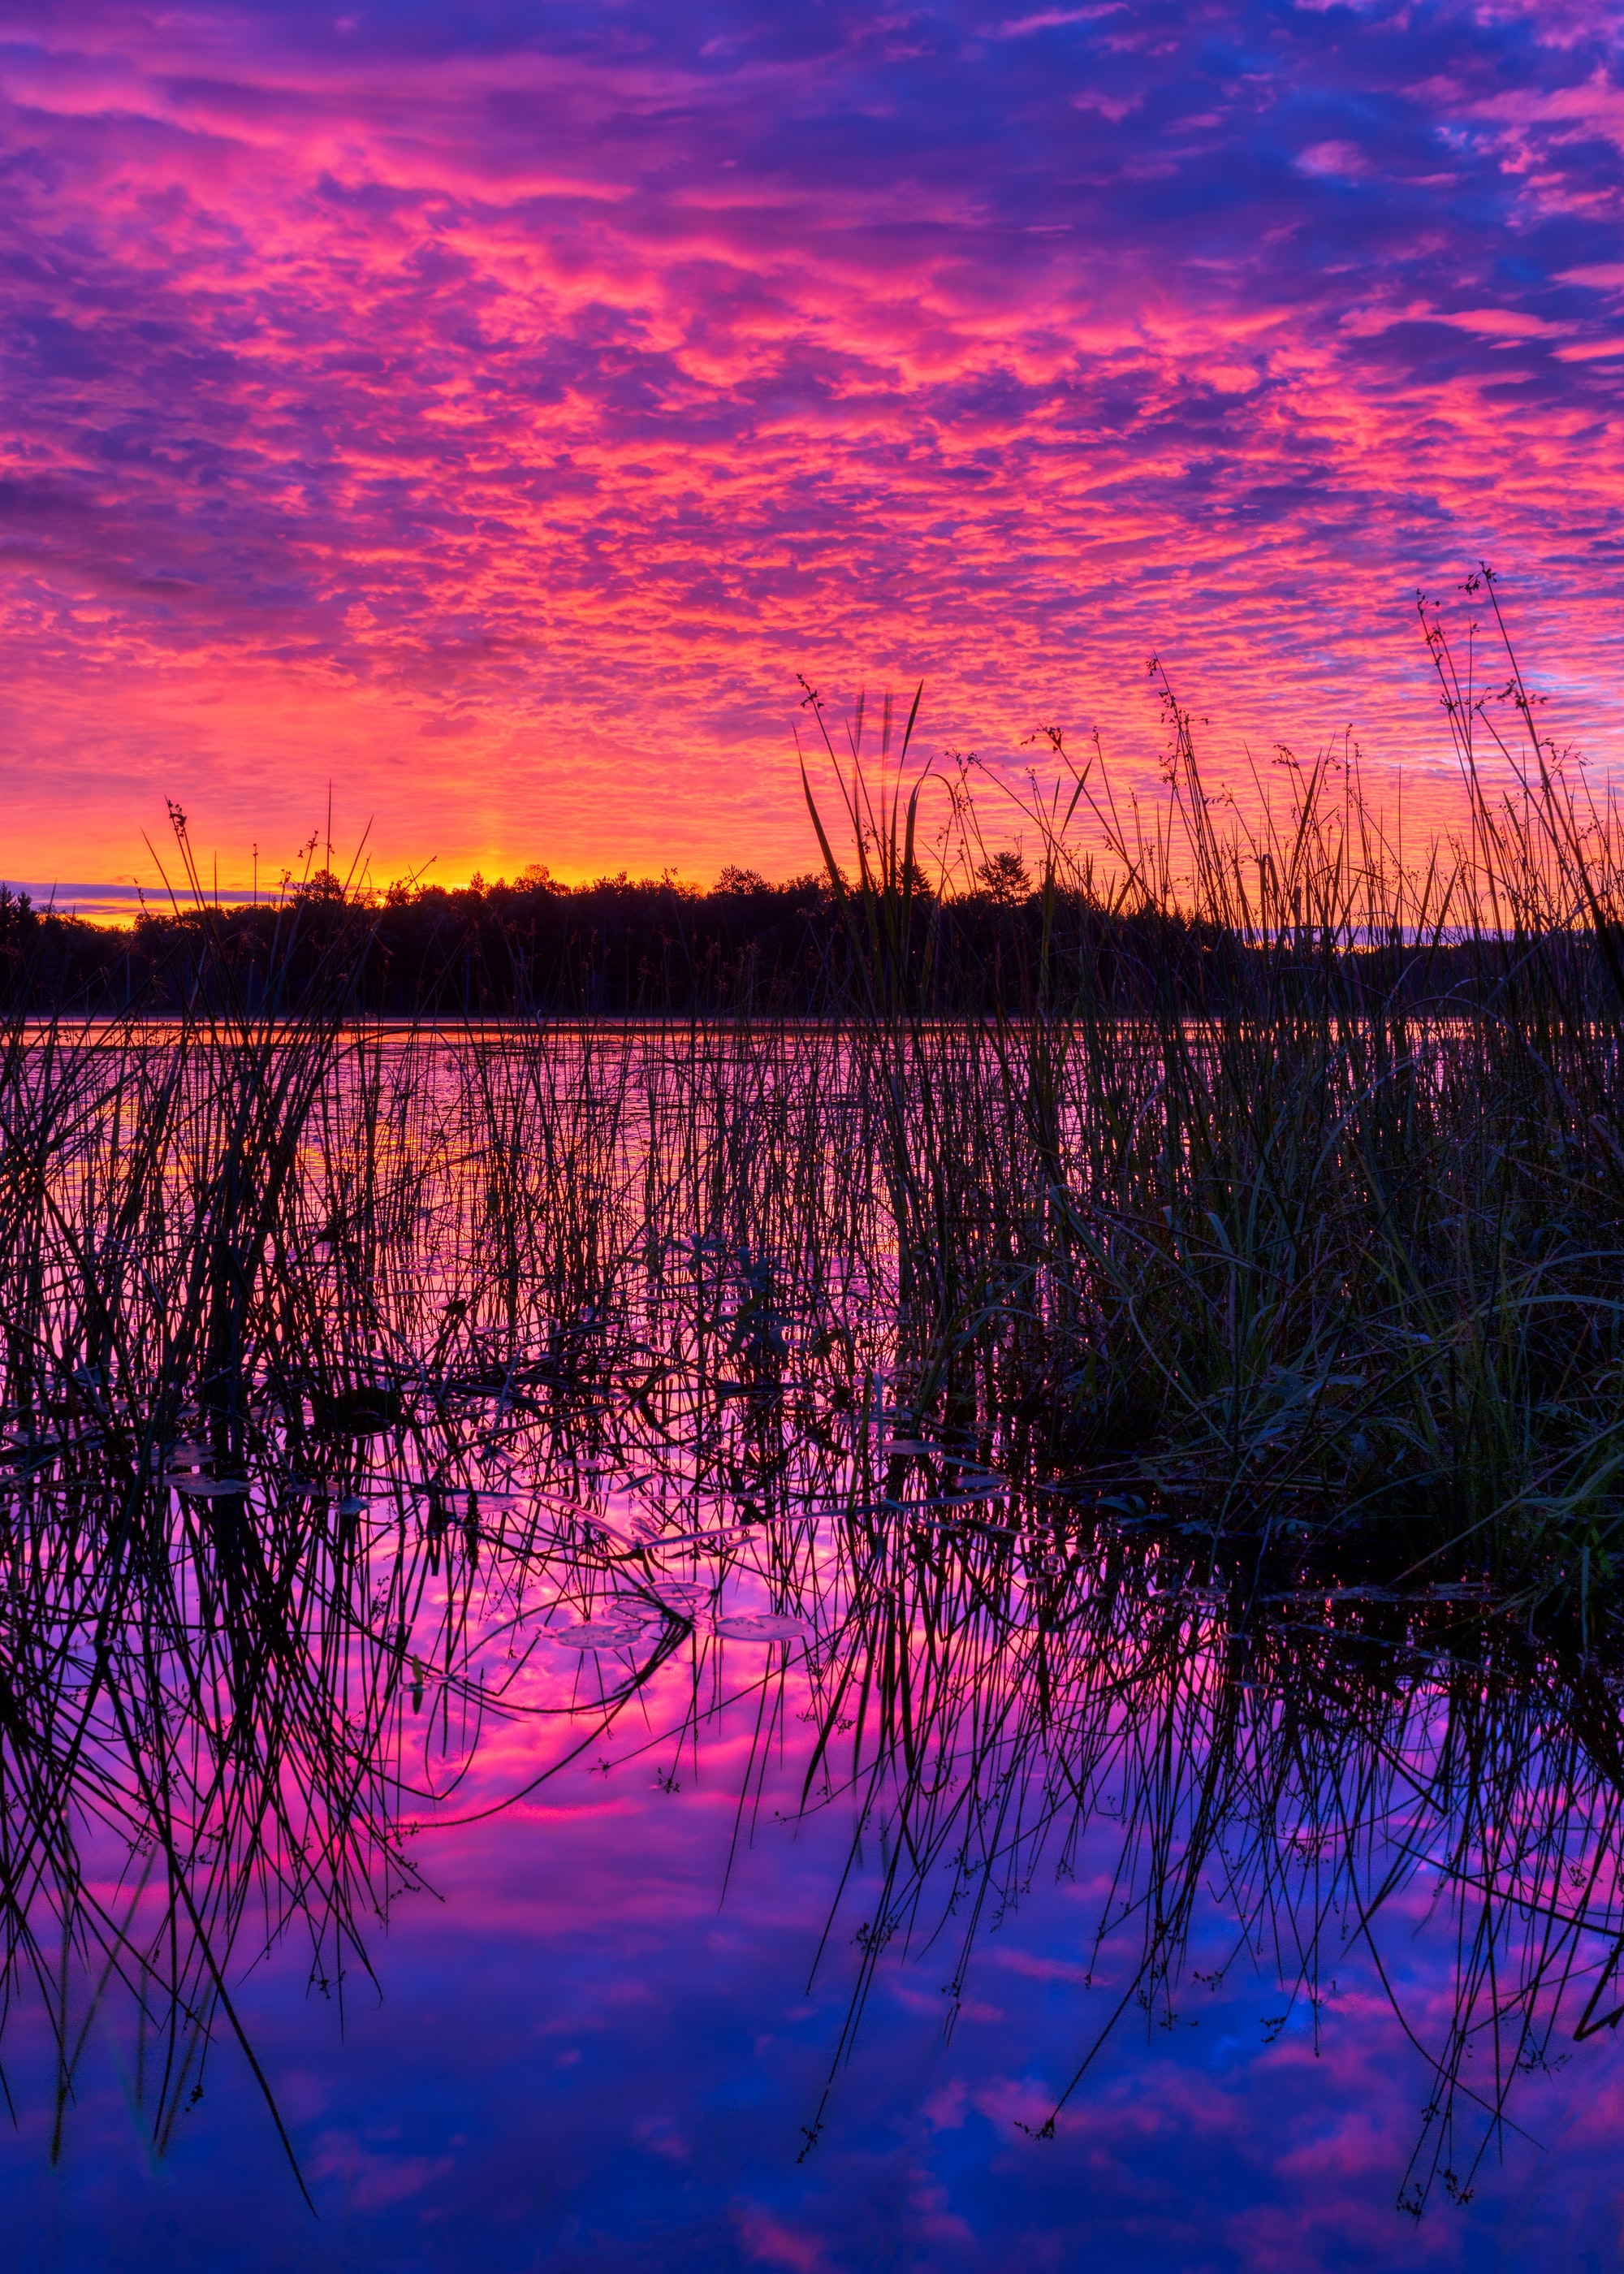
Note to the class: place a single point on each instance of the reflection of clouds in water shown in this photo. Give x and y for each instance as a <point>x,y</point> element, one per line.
<point>570,2068</point>
<point>657,1905</point>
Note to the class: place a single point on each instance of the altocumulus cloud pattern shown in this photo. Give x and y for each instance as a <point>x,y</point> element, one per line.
<point>489,409</point>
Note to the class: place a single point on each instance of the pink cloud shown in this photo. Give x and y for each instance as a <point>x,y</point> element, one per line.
<point>477,427</point>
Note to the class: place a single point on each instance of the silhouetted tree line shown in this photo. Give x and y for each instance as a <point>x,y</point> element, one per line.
<point>630,947</point>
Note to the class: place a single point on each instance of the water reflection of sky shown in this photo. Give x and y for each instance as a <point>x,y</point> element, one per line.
<point>601,2040</point>
<point>587,2055</point>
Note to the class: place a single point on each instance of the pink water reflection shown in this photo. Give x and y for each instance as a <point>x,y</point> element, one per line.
<point>600,2040</point>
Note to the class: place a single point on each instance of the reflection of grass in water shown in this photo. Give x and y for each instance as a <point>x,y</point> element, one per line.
<point>1113,1395</point>
<point>1301,1770</point>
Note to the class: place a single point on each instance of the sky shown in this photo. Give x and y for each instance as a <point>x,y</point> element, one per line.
<point>479,417</point>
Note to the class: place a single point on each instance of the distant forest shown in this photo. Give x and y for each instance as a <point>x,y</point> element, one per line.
<point>620,947</point>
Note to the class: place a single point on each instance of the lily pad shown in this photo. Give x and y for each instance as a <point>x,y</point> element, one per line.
<point>759,1626</point>
<point>593,1634</point>
<point>683,1596</point>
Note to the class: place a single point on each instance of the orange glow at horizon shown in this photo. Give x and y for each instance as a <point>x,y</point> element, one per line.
<point>492,428</point>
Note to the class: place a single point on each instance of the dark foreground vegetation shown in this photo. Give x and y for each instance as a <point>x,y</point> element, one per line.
<point>1266,1178</point>
<point>1208,1338</point>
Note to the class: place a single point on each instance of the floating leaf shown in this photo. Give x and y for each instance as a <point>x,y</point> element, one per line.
<point>758,1626</point>
<point>593,1634</point>
<point>611,1535</point>
<point>683,1595</point>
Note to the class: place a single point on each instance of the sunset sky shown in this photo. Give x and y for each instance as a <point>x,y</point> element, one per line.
<point>489,409</point>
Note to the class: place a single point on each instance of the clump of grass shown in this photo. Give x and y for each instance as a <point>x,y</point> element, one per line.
<point>1283,1184</point>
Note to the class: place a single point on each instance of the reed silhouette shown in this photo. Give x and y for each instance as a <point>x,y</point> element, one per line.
<point>1185,1373</point>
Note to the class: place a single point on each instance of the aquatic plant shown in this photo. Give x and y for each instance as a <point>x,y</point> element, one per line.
<point>1187,1373</point>
<point>1281,1185</point>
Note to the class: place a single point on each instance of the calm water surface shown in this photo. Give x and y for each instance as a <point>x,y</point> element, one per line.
<point>661,1793</point>
<point>601,2040</point>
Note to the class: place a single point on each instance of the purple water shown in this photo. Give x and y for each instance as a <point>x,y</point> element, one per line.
<point>585,2051</point>
<point>1055,1890</point>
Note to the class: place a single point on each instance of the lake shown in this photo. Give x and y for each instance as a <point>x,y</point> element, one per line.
<point>546,1724</point>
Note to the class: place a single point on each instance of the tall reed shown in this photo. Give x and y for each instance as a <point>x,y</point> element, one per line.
<point>1217,1301</point>
<point>1282,1185</point>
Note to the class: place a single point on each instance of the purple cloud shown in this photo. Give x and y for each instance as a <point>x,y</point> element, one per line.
<point>492,411</point>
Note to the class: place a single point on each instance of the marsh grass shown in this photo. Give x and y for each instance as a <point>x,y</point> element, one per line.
<point>1282,1187</point>
<point>1181,1389</point>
